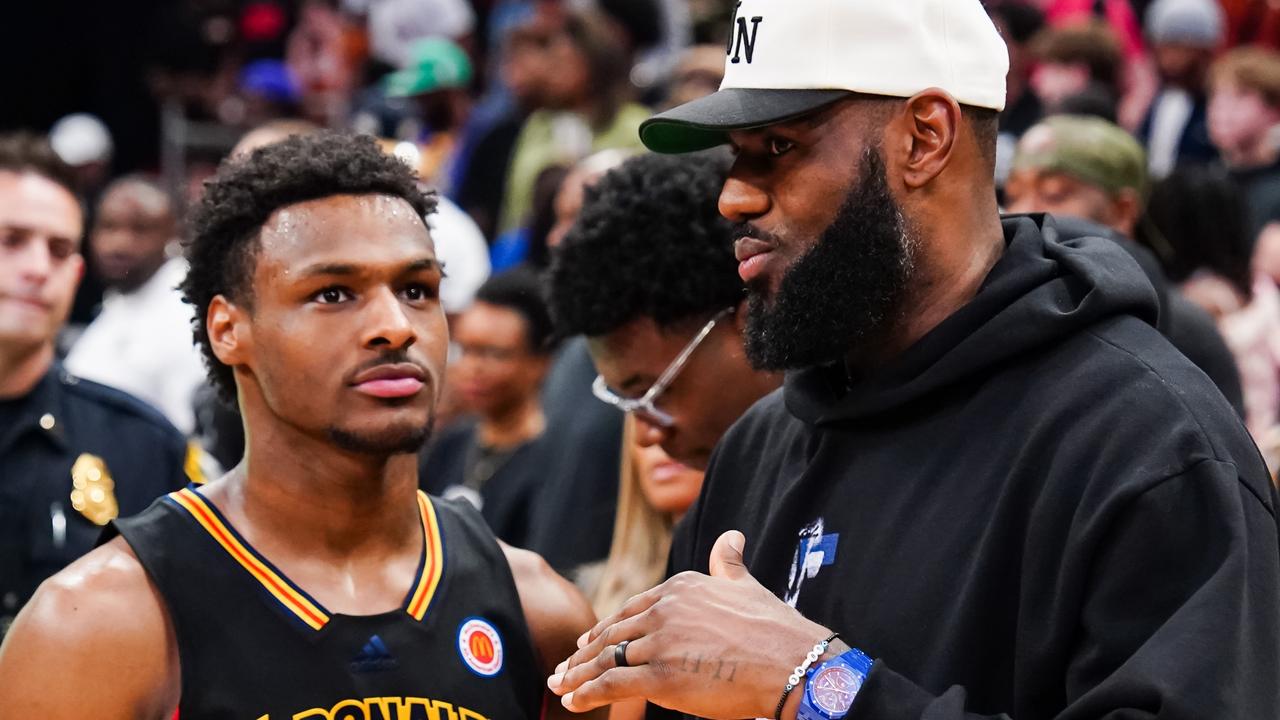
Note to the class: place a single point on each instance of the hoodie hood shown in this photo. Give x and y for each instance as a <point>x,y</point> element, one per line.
<point>1047,286</point>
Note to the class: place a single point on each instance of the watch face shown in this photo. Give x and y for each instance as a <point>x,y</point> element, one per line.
<point>834,689</point>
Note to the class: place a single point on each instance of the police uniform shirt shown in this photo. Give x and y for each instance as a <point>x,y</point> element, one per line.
<point>73,455</point>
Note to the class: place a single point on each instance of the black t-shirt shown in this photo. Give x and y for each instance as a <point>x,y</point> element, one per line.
<point>499,482</point>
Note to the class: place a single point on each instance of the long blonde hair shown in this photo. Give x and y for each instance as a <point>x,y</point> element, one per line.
<point>641,537</point>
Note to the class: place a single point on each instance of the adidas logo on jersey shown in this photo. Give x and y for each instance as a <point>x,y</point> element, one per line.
<point>373,657</point>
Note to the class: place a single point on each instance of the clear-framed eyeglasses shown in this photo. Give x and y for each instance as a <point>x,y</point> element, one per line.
<point>644,407</point>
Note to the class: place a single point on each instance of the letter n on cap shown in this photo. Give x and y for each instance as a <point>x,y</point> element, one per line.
<point>740,38</point>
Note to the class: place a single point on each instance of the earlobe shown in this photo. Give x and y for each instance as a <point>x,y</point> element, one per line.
<point>227,332</point>
<point>934,120</point>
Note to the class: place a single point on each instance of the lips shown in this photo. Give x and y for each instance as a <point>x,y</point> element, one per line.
<point>30,301</point>
<point>399,380</point>
<point>667,471</point>
<point>752,255</point>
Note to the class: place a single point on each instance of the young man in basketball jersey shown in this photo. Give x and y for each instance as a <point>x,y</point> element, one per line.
<point>313,581</point>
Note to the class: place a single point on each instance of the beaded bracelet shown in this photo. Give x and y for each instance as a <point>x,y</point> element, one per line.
<point>801,670</point>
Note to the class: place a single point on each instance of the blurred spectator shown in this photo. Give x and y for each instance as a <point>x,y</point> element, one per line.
<point>141,342</point>
<point>586,108</point>
<point>1184,35</point>
<point>395,25</point>
<point>1136,77</point>
<point>505,343</point>
<point>84,143</point>
<point>323,62</point>
<point>523,69</point>
<point>654,493</point>
<point>529,244</point>
<point>1244,123</point>
<point>1252,22</point>
<point>437,81</point>
<point>1075,60</point>
<point>1018,22</point>
<point>699,72</point>
<point>1088,168</point>
<point>648,275</point>
<point>557,200</point>
<point>269,90</point>
<point>73,454</point>
<point>572,192</point>
<point>1118,15</point>
<point>1199,214</point>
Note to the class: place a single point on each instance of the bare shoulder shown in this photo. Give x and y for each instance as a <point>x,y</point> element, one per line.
<point>557,614</point>
<point>101,622</point>
<point>556,611</point>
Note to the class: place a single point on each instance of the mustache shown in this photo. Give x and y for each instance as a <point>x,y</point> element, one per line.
<point>746,229</point>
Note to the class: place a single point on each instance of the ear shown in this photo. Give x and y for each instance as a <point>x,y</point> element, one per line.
<point>929,125</point>
<point>228,329</point>
<point>1126,208</point>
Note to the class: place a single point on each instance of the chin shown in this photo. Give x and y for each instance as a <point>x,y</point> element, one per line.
<point>391,439</point>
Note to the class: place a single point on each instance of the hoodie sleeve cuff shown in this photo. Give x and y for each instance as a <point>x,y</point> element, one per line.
<point>886,695</point>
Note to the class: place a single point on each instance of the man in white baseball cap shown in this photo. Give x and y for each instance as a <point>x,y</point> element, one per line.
<point>989,488</point>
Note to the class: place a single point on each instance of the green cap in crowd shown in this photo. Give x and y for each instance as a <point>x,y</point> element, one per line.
<point>1089,149</point>
<point>434,64</point>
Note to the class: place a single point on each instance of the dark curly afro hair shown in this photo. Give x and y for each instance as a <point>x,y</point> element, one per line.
<point>649,242</point>
<point>224,226</point>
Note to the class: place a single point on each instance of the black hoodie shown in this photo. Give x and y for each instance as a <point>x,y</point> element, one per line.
<point>1040,510</point>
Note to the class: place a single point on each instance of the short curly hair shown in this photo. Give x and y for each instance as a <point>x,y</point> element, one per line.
<point>221,246</point>
<point>649,242</point>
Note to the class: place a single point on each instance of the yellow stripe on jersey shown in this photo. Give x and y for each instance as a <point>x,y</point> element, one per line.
<point>280,588</point>
<point>432,564</point>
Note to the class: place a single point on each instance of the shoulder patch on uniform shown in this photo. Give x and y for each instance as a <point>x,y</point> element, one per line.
<point>480,646</point>
<point>120,401</point>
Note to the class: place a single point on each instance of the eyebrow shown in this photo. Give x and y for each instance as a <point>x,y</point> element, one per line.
<point>345,269</point>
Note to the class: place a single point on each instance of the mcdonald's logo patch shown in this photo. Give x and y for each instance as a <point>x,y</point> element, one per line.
<point>480,646</point>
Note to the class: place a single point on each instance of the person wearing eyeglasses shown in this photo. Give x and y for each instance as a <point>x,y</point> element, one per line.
<point>647,274</point>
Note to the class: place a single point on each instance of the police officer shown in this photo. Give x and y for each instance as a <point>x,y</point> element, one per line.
<point>73,454</point>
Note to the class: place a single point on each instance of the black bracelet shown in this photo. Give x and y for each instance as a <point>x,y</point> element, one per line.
<point>801,670</point>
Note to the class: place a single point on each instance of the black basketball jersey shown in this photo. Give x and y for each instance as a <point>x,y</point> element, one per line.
<point>254,646</point>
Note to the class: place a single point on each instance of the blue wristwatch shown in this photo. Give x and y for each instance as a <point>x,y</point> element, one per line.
<point>833,685</point>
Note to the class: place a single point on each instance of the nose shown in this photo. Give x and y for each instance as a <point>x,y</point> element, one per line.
<point>741,200</point>
<point>386,324</point>
<point>649,434</point>
<point>34,260</point>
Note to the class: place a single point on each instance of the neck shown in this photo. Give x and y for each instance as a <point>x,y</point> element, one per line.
<point>22,368</point>
<point>958,263</point>
<point>306,493</point>
<point>514,426</point>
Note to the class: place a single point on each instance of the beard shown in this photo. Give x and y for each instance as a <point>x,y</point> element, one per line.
<point>844,293</point>
<point>389,441</point>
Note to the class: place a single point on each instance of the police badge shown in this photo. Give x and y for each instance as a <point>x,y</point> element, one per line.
<point>93,491</point>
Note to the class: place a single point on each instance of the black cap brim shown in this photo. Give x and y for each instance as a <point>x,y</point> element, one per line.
<point>705,122</point>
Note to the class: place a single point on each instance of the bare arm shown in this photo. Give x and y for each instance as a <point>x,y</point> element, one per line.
<point>95,641</point>
<point>557,615</point>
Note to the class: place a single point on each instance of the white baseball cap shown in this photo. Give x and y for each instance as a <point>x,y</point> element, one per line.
<point>787,58</point>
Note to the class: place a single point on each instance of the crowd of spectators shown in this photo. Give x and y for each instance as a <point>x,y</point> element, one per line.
<point>1156,120</point>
